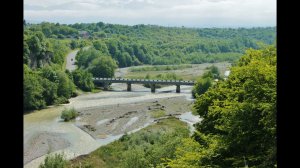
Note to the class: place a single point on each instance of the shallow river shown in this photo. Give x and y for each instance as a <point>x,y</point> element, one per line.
<point>45,132</point>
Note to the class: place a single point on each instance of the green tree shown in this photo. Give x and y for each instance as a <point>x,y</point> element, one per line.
<point>201,86</point>
<point>65,85</point>
<point>83,79</point>
<point>101,46</point>
<point>33,90</point>
<point>240,114</point>
<point>103,66</point>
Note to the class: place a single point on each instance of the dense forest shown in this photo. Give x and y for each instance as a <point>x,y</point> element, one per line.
<point>104,47</point>
<point>150,44</point>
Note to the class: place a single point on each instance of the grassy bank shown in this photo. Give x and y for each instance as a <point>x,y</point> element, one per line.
<point>144,148</point>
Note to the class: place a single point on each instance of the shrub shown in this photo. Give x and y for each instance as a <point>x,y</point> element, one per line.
<point>201,86</point>
<point>69,114</point>
<point>54,161</point>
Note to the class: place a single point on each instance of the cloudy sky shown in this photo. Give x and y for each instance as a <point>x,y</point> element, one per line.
<point>189,13</point>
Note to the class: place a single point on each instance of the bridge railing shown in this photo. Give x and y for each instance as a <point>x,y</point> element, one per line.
<point>144,80</point>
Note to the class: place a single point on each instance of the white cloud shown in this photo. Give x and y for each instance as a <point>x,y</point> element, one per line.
<point>218,13</point>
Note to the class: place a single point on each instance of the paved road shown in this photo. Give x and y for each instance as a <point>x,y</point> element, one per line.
<point>71,60</point>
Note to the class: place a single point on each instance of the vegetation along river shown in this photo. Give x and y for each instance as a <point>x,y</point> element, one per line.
<point>104,117</point>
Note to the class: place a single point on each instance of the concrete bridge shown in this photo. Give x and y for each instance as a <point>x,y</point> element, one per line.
<point>152,82</point>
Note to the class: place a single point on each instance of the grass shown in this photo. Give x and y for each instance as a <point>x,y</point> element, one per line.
<point>157,113</point>
<point>141,148</point>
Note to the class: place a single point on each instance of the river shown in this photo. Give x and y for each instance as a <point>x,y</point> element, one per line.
<point>45,132</point>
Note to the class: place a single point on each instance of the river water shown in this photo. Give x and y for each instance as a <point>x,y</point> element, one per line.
<point>45,132</point>
<point>44,129</point>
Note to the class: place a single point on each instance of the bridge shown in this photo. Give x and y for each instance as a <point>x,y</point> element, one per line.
<point>152,82</point>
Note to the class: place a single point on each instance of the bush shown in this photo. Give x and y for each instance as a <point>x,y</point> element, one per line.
<point>201,86</point>
<point>83,80</point>
<point>54,161</point>
<point>69,114</point>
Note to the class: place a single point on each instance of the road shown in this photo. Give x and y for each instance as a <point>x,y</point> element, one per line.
<point>71,60</point>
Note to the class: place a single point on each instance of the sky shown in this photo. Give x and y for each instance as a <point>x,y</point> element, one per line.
<point>188,13</point>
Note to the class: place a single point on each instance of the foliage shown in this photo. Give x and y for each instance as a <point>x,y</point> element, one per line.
<point>83,80</point>
<point>146,148</point>
<point>33,90</point>
<point>239,116</point>
<point>201,86</point>
<point>103,67</point>
<point>54,161</point>
<point>85,57</point>
<point>214,71</point>
<point>65,86</point>
<point>68,114</point>
<point>187,154</point>
<point>157,45</point>
<point>46,86</point>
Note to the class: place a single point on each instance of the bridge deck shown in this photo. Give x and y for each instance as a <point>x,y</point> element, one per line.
<point>144,81</point>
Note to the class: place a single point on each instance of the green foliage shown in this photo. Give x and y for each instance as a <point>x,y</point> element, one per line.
<point>33,90</point>
<point>148,147</point>
<point>187,155</point>
<point>59,49</point>
<point>149,44</point>
<point>46,86</point>
<point>74,44</point>
<point>65,86</point>
<point>239,114</point>
<point>85,57</point>
<point>103,66</point>
<point>101,46</point>
<point>83,80</point>
<point>201,86</point>
<point>54,161</point>
<point>68,114</point>
<point>215,72</point>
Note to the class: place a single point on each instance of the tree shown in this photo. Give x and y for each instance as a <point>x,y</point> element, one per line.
<point>33,90</point>
<point>65,85</point>
<point>101,46</point>
<point>83,79</point>
<point>201,86</point>
<point>103,66</point>
<point>85,57</point>
<point>73,44</point>
<point>240,114</point>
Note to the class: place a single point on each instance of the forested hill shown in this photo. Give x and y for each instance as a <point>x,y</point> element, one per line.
<point>149,44</point>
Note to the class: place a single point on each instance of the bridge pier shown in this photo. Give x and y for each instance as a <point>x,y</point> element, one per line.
<point>128,86</point>
<point>105,86</point>
<point>152,88</point>
<point>177,88</point>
